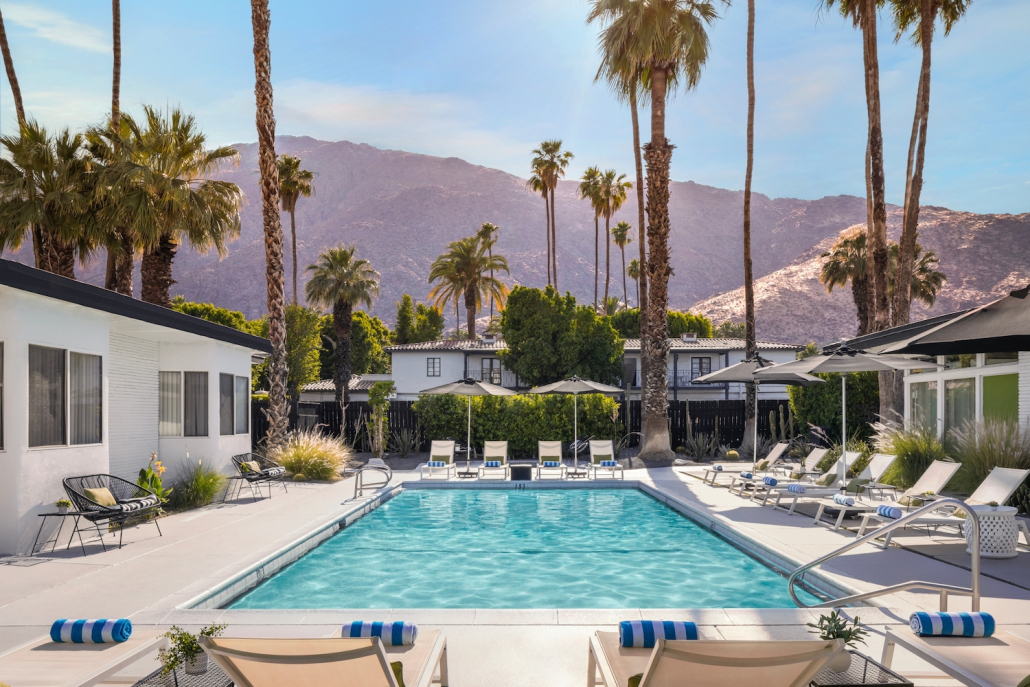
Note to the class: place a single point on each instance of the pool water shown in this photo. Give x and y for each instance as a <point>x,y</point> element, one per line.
<point>484,548</point>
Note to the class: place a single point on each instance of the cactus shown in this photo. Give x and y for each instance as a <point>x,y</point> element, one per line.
<point>772,425</point>
<point>1021,499</point>
<point>790,422</point>
<point>732,455</point>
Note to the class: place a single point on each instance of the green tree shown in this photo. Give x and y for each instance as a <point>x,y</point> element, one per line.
<point>612,189</point>
<point>487,235</point>
<point>218,315</point>
<point>536,184</point>
<point>633,272</point>
<point>294,183</point>
<point>428,323</point>
<point>589,189</point>
<point>551,162</point>
<point>810,349</point>
<point>730,330</point>
<point>465,270</point>
<point>368,336</point>
<point>819,405</point>
<point>303,348</point>
<point>627,323</point>
<point>620,234</point>
<point>404,325</point>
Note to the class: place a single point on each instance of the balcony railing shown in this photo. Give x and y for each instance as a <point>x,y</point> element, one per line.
<point>505,378</point>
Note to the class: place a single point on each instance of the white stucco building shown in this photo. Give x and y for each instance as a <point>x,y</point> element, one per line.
<point>93,382</point>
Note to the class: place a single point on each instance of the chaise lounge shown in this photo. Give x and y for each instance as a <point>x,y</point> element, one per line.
<point>441,459</point>
<point>495,460</point>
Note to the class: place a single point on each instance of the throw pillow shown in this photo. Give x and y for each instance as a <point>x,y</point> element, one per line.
<point>827,479</point>
<point>910,501</point>
<point>253,465</point>
<point>101,496</point>
<point>762,465</point>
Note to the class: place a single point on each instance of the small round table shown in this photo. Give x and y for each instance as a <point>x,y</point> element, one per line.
<point>999,532</point>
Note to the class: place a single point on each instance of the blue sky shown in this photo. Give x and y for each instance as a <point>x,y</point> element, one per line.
<point>487,80</point>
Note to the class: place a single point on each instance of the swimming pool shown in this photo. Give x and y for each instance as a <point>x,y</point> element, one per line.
<point>560,548</point>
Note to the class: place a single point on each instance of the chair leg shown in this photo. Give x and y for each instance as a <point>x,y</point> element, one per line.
<point>159,532</point>
<point>101,535</point>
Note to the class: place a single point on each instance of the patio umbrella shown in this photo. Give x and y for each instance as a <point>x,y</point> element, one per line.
<point>998,327</point>
<point>575,386</point>
<point>746,371</point>
<point>843,360</point>
<point>469,387</point>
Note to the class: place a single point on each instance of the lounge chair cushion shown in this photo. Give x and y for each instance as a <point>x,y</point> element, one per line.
<point>609,463</point>
<point>396,633</point>
<point>101,496</point>
<point>492,464</point>
<point>602,458</point>
<point>142,503</point>
<point>91,631</point>
<point>643,633</point>
<point>398,672</point>
<point>952,624</point>
<point>762,465</point>
<point>826,480</point>
<point>440,459</point>
<point>910,501</point>
<point>274,471</point>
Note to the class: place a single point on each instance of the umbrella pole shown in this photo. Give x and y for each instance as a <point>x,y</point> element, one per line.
<point>844,426</point>
<point>754,457</point>
<point>468,442</point>
<point>575,433</point>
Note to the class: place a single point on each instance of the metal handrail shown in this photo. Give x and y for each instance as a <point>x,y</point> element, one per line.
<point>379,466</point>
<point>974,546</point>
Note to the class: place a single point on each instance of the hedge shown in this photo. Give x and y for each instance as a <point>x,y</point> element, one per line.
<point>521,420</point>
<point>819,405</point>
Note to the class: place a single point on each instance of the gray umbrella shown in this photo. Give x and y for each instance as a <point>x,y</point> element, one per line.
<point>746,372</point>
<point>843,360</point>
<point>470,388</point>
<point>575,386</point>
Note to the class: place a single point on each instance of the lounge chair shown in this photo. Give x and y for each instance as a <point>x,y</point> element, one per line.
<point>495,460</point>
<point>999,487</point>
<point>266,662</point>
<point>766,464</point>
<point>106,500</point>
<point>827,485</point>
<point>602,459</point>
<point>874,472</point>
<point>807,468</point>
<point>45,662</point>
<point>255,470</point>
<point>550,464</point>
<point>843,509</point>
<point>1001,660</point>
<point>441,460</point>
<point>711,663</point>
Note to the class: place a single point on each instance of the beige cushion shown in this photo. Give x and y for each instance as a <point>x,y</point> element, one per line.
<point>827,479</point>
<point>762,465</point>
<point>910,501</point>
<point>101,496</point>
<point>253,465</point>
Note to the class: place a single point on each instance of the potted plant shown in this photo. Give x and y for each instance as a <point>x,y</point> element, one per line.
<point>184,650</point>
<point>993,505</point>
<point>836,626</point>
<point>63,505</point>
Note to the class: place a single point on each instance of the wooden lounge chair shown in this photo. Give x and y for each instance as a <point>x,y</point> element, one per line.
<point>549,452</point>
<point>131,503</point>
<point>46,663</point>
<point>255,470</point>
<point>711,663</point>
<point>332,662</point>
<point>602,457</point>
<point>1001,660</point>
<point>494,452</point>
<point>441,460</point>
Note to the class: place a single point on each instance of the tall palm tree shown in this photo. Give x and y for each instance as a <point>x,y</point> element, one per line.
<point>552,161</point>
<point>633,272</point>
<point>620,234</point>
<point>750,336</point>
<point>589,190</point>
<point>487,235</point>
<point>537,184</point>
<point>612,189</point>
<point>919,16</point>
<point>340,281</point>
<point>844,262</point>
<point>466,268</point>
<point>926,280</point>
<point>278,417</point>
<point>668,39</point>
<point>294,182</point>
<point>110,278</point>
<point>12,79</point>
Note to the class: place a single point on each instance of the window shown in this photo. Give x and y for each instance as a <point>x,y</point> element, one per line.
<point>226,407</point>
<point>491,368</point>
<point>46,396</point>
<point>1,395</point>
<point>1001,358</point>
<point>959,402</point>
<point>242,405</point>
<point>86,398</point>
<point>699,367</point>
<point>1001,397</point>
<point>170,404</point>
<point>195,404</point>
<point>432,367</point>
<point>958,362</point>
<point>923,404</point>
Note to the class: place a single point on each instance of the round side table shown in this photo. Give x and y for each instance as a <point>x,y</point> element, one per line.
<point>999,532</point>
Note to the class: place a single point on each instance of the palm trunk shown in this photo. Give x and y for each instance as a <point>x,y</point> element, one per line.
<point>878,244</point>
<point>625,292</point>
<point>490,254</point>
<point>597,232</point>
<point>750,343</point>
<point>116,49</point>
<point>554,242</point>
<point>293,234</point>
<point>641,221</point>
<point>19,107</point>
<point>637,283</point>
<point>342,364</point>
<point>110,281</point>
<point>470,312</point>
<point>547,234</point>
<point>278,419</point>
<point>607,259</point>
<point>124,265</point>
<point>870,304</point>
<point>156,272</point>
<point>860,294</point>
<point>654,342</point>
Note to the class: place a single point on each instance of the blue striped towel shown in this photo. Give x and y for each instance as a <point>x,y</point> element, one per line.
<point>746,475</point>
<point>892,512</point>
<point>643,633</point>
<point>717,468</point>
<point>796,488</point>
<point>771,481</point>
<point>609,463</point>
<point>952,624</point>
<point>101,631</point>
<point>393,634</point>
<point>552,463</point>
<point>436,464</point>
<point>842,500</point>
<point>492,464</point>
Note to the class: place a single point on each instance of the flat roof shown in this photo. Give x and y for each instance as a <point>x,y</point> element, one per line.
<point>877,341</point>
<point>39,282</point>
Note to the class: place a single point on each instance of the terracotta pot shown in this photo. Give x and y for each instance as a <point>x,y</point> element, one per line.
<point>197,665</point>
<point>841,662</point>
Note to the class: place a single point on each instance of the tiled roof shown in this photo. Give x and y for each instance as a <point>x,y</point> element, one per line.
<point>717,344</point>
<point>326,385</point>
<point>449,345</point>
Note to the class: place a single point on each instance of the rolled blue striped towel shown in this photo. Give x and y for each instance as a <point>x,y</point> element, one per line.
<point>796,488</point>
<point>892,512</point>
<point>952,624</point>
<point>492,464</point>
<point>643,633</point>
<point>552,463</point>
<point>393,634</point>
<point>771,481</point>
<point>843,500</point>
<point>717,468</point>
<point>436,464</point>
<point>609,463</point>
<point>746,475</point>
<point>102,631</point>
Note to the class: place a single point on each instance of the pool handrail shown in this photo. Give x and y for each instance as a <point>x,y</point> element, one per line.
<point>375,465</point>
<point>974,546</point>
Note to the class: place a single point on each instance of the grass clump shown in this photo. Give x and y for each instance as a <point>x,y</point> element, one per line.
<point>312,454</point>
<point>916,448</point>
<point>196,486</point>
<point>983,445</point>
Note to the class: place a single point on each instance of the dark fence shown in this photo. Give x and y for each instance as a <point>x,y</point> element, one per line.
<point>329,417</point>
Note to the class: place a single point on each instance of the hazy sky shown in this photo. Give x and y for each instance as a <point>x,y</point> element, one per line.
<point>487,80</point>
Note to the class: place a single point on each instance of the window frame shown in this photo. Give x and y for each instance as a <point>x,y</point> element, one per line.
<point>236,405</point>
<point>207,403</point>
<point>67,410</point>
<point>433,370</point>
<point>231,405</point>
<point>68,373</point>
<point>700,366</point>
<point>180,405</point>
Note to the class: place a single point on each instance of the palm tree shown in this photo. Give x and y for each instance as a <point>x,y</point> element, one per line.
<point>620,234</point>
<point>12,79</point>
<point>463,270</point>
<point>926,281</point>
<point>278,418</point>
<point>612,189</point>
<point>668,40</point>
<point>537,184</point>
<point>294,182</point>
<point>110,278</point>
<point>552,161</point>
<point>487,235</point>
<point>633,271</point>
<point>910,14</point>
<point>340,281</point>
<point>750,336</point>
<point>844,262</point>
<point>588,190</point>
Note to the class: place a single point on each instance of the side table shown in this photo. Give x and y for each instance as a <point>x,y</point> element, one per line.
<point>863,671</point>
<point>75,530</point>
<point>214,677</point>
<point>999,531</point>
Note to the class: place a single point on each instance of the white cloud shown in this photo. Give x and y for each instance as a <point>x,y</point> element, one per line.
<point>57,28</point>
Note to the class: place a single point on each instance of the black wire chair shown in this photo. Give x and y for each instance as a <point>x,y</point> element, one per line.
<point>133,503</point>
<point>270,472</point>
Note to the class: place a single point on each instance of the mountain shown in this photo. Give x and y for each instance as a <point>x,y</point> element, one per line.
<point>401,209</point>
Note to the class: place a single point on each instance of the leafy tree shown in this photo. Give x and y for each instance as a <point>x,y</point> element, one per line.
<point>404,326</point>
<point>303,348</point>
<point>368,335</point>
<point>536,184</point>
<point>633,272</point>
<point>812,348</point>
<point>465,270</point>
<point>819,405</point>
<point>222,316</point>
<point>550,338</point>
<point>612,189</point>
<point>428,323</point>
<point>627,323</point>
<point>730,330</point>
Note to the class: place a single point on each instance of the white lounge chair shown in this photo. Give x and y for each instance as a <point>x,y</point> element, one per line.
<point>999,486</point>
<point>878,466</point>
<point>711,663</point>
<point>602,451</point>
<point>827,485</point>
<point>1001,660</point>
<point>266,662</point>
<point>441,460</point>
<point>766,464</point>
<point>45,662</point>
<point>494,452</point>
<point>842,509</point>
<point>550,452</point>
<point>807,468</point>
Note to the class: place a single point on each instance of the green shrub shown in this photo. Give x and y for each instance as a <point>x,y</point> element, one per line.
<point>855,445</point>
<point>521,420</point>
<point>916,449</point>
<point>312,454</point>
<point>196,486</point>
<point>819,405</point>
<point>986,444</point>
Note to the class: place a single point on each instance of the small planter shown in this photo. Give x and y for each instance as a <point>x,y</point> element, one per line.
<point>197,665</point>
<point>841,662</point>
<point>62,509</point>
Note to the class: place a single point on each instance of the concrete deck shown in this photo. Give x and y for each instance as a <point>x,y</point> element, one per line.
<point>152,577</point>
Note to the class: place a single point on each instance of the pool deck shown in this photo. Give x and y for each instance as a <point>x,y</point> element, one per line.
<point>152,578</point>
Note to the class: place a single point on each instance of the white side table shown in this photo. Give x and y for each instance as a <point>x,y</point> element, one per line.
<point>999,532</point>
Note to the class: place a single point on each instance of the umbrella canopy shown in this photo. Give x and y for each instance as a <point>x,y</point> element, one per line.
<point>469,387</point>
<point>999,327</point>
<point>575,386</point>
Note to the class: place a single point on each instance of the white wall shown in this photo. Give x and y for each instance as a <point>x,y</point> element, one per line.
<point>132,374</point>
<point>719,361</point>
<point>1024,386</point>
<point>409,371</point>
